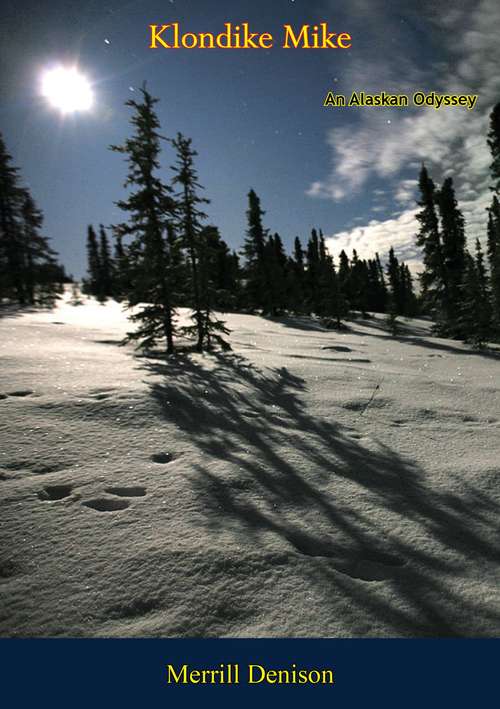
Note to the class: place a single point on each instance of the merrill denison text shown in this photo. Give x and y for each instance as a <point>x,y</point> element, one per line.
<point>426,99</point>
<point>252,674</point>
<point>240,36</point>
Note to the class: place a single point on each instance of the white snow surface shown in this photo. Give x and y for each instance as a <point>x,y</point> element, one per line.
<point>271,491</point>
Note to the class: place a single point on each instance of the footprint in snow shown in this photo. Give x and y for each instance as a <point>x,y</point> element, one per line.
<point>365,564</point>
<point>164,457</point>
<point>51,493</point>
<point>106,504</point>
<point>133,491</point>
<point>337,348</point>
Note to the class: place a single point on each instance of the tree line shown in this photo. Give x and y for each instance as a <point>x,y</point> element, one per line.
<point>29,271</point>
<point>167,256</point>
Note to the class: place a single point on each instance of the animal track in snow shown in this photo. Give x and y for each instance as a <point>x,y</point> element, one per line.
<point>165,457</point>
<point>337,348</point>
<point>133,491</point>
<point>50,493</point>
<point>365,564</point>
<point>106,504</point>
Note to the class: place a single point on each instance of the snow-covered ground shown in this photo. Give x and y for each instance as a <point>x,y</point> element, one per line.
<point>247,494</point>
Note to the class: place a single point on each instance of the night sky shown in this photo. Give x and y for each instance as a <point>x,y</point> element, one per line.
<point>256,117</point>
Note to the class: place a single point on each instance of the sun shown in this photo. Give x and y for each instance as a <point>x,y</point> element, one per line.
<point>67,90</point>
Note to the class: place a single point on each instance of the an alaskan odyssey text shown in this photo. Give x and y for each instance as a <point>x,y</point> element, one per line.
<point>386,100</point>
<point>253,674</point>
<point>170,36</point>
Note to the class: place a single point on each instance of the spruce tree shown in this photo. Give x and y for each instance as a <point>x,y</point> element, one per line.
<point>121,280</point>
<point>344,277</point>
<point>207,327</point>
<point>484,306</point>
<point>29,272</point>
<point>253,252</point>
<point>93,262</point>
<point>358,284</point>
<point>105,287</point>
<point>409,297</point>
<point>381,285</point>
<point>453,253</point>
<point>274,291</point>
<point>475,312</point>
<point>150,209</point>
<point>395,285</point>
<point>434,294</point>
<point>213,328</point>
<point>493,246</point>
<point>224,270</point>
<point>295,278</point>
<point>333,303</point>
<point>312,273</point>
<point>12,256</point>
<point>39,258</point>
<point>494,145</point>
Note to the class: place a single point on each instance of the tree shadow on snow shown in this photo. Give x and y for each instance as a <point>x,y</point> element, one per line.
<point>440,345</point>
<point>280,477</point>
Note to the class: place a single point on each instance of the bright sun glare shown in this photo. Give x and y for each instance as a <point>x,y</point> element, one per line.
<point>67,90</point>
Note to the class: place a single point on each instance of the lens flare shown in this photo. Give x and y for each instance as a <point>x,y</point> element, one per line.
<point>67,90</point>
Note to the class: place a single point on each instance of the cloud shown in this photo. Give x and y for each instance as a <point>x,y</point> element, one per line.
<point>379,236</point>
<point>406,191</point>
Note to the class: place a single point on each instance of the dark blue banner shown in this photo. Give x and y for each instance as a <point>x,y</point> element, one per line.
<point>343,673</point>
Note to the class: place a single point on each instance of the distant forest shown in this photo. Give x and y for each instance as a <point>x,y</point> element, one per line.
<point>166,255</point>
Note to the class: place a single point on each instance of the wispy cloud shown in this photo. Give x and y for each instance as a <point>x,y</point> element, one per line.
<point>380,236</point>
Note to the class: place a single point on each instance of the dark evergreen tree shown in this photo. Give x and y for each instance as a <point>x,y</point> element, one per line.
<point>333,305</point>
<point>29,273</point>
<point>312,290</point>
<point>344,277</point>
<point>275,262</point>
<point>206,326</point>
<point>453,255</point>
<point>381,285</point>
<point>409,297</point>
<point>12,283</point>
<point>434,292</point>
<point>494,144</point>
<point>493,246</point>
<point>105,282</point>
<point>295,279</point>
<point>224,271</point>
<point>484,304</point>
<point>395,285</point>
<point>253,252</point>
<point>93,263</point>
<point>376,290</point>
<point>475,306</point>
<point>121,279</point>
<point>358,284</point>
<point>150,210</point>
<point>41,281</point>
